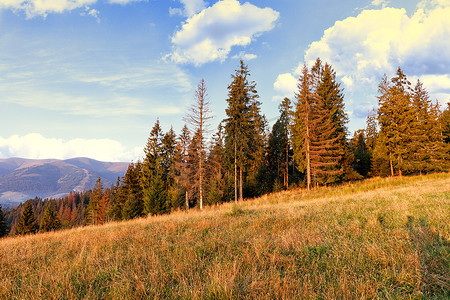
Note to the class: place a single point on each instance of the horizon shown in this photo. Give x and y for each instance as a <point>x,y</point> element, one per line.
<point>90,78</point>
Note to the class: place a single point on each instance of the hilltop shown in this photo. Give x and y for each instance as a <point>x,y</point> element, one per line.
<point>22,179</point>
<point>380,238</point>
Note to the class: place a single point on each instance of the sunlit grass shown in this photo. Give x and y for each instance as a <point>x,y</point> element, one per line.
<point>381,238</point>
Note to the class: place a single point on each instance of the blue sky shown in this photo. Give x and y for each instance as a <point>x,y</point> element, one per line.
<point>90,77</point>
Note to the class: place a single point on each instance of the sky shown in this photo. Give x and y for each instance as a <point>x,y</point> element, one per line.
<point>89,78</point>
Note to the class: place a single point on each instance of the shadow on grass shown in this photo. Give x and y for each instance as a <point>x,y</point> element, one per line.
<point>434,255</point>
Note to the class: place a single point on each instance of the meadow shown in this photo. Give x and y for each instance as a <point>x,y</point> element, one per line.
<point>386,238</point>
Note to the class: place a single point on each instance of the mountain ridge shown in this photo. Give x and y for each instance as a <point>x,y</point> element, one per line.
<point>22,179</point>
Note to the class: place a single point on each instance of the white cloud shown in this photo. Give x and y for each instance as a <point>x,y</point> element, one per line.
<point>209,35</point>
<point>286,84</point>
<point>191,7</point>
<point>377,41</point>
<point>33,8</point>
<point>382,3</point>
<point>245,56</point>
<point>36,146</point>
<point>362,48</point>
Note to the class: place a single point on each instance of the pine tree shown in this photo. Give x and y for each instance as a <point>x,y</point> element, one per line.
<point>242,119</point>
<point>182,169</point>
<point>303,124</point>
<point>396,118</point>
<point>444,120</point>
<point>217,189</point>
<point>330,155</point>
<point>285,109</point>
<point>4,229</point>
<point>132,192</point>
<point>168,158</point>
<point>103,207</point>
<point>361,153</point>
<point>199,117</point>
<point>94,203</point>
<point>152,182</point>
<point>50,221</point>
<point>27,222</point>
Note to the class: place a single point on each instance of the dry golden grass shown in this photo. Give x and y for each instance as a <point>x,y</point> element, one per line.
<point>381,238</point>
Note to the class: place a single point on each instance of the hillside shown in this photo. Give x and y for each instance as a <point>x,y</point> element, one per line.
<point>381,238</point>
<point>22,179</point>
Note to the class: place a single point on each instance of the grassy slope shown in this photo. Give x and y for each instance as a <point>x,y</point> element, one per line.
<point>379,238</point>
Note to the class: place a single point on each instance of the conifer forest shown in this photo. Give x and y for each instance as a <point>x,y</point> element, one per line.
<point>308,146</point>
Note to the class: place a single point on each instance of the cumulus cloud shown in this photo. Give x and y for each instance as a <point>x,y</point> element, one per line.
<point>382,3</point>
<point>33,8</point>
<point>36,146</point>
<point>362,48</point>
<point>191,7</point>
<point>286,84</point>
<point>245,56</point>
<point>209,35</point>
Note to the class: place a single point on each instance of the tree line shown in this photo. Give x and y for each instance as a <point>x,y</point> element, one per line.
<point>308,146</point>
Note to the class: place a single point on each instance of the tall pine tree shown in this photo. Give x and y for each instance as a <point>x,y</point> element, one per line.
<point>4,230</point>
<point>27,222</point>
<point>242,120</point>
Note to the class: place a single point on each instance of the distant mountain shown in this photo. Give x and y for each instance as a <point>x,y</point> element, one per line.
<point>22,179</point>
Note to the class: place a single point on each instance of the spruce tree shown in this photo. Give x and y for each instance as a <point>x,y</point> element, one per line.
<point>396,118</point>
<point>152,182</point>
<point>285,109</point>
<point>199,117</point>
<point>94,203</point>
<point>361,153</point>
<point>168,158</point>
<point>182,169</point>
<point>444,120</point>
<point>329,149</point>
<point>303,123</point>
<point>242,120</point>
<point>27,222</point>
<point>132,192</point>
<point>217,189</point>
<point>4,230</point>
<point>50,221</point>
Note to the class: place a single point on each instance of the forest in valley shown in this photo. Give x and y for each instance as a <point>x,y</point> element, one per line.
<point>308,146</point>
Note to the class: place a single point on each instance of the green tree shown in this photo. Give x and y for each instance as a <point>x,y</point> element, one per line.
<point>94,203</point>
<point>153,184</point>
<point>395,117</point>
<point>242,119</point>
<point>361,153</point>
<point>303,123</point>
<point>132,192</point>
<point>444,120</point>
<point>50,221</point>
<point>27,222</point>
<point>4,229</point>
<point>217,188</point>
<point>182,169</point>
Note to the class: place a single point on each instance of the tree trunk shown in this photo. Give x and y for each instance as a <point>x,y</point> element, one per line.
<point>241,183</point>
<point>201,181</point>
<point>235,172</point>
<point>187,201</point>
<point>287,166</point>
<point>308,160</point>
<point>391,165</point>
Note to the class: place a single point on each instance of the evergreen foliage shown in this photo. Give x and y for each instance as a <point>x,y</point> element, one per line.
<point>27,222</point>
<point>244,130</point>
<point>93,208</point>
<point>4,229</point>
<point>50,221</point>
